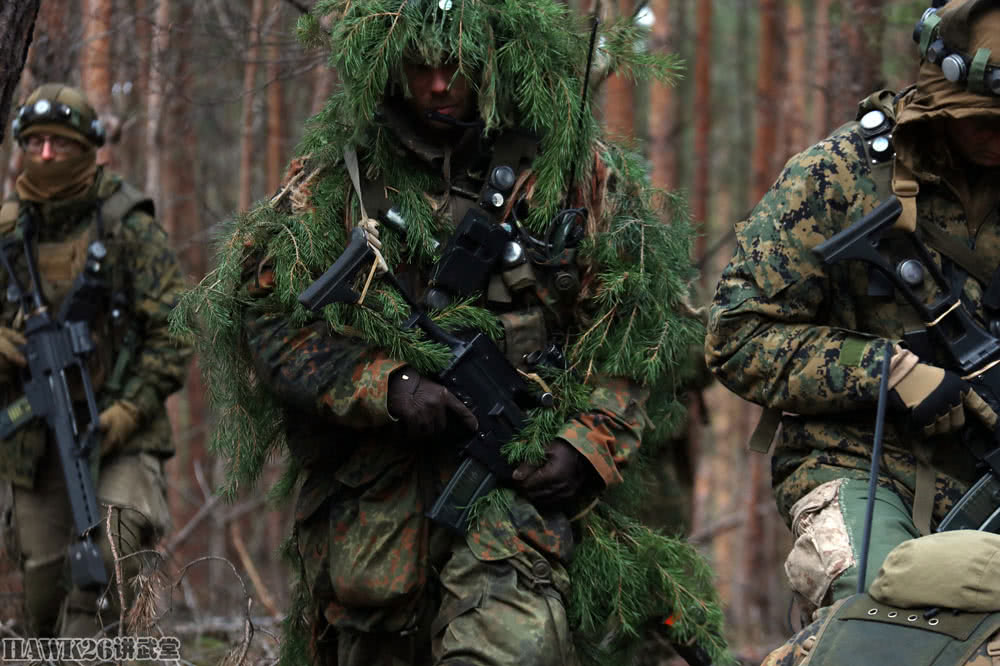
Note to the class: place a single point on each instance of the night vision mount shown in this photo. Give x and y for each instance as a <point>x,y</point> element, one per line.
<point>976,71</point>
<point>50,111</point>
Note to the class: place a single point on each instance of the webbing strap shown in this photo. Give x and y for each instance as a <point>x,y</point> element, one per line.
<point>763,434</point>
<point>906,187</point>
<point>831,614</point>
<point>977,72</point>
<point>958,252</point>
<point>351,162</point>
<point>923,495</point>
<point>927,32</point>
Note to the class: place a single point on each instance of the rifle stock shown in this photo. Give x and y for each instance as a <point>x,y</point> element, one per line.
<point>973,351</point>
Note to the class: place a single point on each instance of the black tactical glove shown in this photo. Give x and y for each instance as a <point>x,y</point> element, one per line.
<point>565,475</point>
<point>936,400</point>
<point>425,407</point>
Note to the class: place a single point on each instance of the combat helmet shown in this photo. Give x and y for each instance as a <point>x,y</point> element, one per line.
<point>952,36</point>
<point>57,108</point>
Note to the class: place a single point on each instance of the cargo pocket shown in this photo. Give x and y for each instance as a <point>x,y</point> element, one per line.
<point>378,541</point>
<point>822,549</point>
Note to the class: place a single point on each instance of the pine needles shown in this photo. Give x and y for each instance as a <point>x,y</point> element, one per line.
<point>526,62</point>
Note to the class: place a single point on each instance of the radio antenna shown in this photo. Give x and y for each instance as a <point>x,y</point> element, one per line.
<point>595,22</point>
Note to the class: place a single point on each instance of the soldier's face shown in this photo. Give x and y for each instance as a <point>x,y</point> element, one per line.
<point>52,148</point>
<point>433,89</point>
<point>977,139</point>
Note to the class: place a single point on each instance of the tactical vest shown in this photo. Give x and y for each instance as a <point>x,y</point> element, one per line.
<point>60,262</point>
<point>874,126</point>
<point>860,631</point>
<point>526,293</point>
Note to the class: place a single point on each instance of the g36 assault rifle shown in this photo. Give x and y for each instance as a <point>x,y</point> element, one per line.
<point>478,374</point>
<point>972,351</point>
<point>57,351</point>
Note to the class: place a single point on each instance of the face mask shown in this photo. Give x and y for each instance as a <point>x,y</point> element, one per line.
<point>56,180</point>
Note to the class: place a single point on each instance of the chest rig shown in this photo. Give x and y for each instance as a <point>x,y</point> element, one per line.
<point>907,252</point>
<point>522,278</point>
<point>60,262</point>
<point>913,263</point>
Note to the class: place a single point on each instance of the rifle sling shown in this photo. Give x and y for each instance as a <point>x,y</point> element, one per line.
<point>923,493</point>
<point>958,252</point>
<point>763,434</point>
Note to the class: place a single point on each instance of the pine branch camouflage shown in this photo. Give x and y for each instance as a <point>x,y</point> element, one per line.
<point>627,332</point>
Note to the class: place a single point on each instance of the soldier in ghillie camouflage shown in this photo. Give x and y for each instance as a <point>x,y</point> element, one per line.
<point>71,202</point>
<point>436,103</point>
<point>806,340</point>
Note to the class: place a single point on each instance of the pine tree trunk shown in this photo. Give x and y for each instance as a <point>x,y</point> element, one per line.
<point>857,56</point>
<point>662,115</point>
<point>155,100</point>
<point>619,100</point>
<point>17,19</point>
<point>703,120</point>
<point>143,39</point>
<point>249,84</point>
<point>95,64</point>
<point>323,80</point>
<point>822,120</point>
<point>753,607</point>
<point>767,91</point>
<point>796,81</point>
<point>275,117</point>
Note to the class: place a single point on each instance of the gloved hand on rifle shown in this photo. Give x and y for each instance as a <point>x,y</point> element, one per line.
<point>10,350</point>
<point>425,407</point>
<point>935,400</point>
<point>565,476</point>
<point>117,423</point>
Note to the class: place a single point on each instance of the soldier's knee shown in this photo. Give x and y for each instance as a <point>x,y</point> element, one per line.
<point>822,549</point>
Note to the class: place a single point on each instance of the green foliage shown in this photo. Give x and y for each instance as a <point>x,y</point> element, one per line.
<point>295,633</point>
<point>526,61</point>
<point>636,577</point>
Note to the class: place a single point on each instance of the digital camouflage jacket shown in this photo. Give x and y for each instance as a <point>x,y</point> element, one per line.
<point>144,272</point>
<point>792,334</point>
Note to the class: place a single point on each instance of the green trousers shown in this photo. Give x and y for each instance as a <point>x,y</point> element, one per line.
<point>828,525</point>
<point>892,524</point>
<point>134,487</point>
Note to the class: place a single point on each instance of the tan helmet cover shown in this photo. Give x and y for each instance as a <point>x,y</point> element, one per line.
<point>81,125</point>
<point>958,569</point>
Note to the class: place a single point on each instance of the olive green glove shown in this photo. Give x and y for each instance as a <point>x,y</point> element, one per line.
<point>937,400</point>
<point>117,422</point>
<point>10,353</point>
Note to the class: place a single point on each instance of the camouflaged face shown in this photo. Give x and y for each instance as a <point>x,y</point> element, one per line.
<point>789,333</point>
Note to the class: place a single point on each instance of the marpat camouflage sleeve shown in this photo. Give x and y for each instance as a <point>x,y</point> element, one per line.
<point>772,337</point>
<point>611,430</point>
<point>160,361</point>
